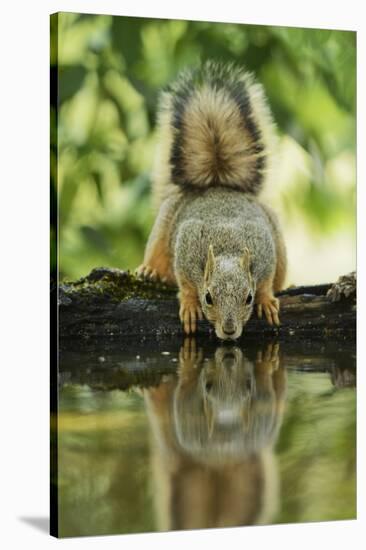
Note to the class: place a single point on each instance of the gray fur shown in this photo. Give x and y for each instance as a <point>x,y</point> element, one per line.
<point>212,237</point>
<point>231,222</point>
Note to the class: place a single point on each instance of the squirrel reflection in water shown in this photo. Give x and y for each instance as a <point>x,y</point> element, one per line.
<point>214,428</point>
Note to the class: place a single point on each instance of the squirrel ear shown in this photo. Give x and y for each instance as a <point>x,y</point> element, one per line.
<point>210,264</point>
<point>245,260</point>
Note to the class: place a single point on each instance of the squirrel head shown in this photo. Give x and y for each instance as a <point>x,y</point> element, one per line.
<point>227,296</point>
<point>228,406</point>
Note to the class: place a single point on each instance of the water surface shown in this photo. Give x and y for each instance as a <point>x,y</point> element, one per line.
<point>190,436</point>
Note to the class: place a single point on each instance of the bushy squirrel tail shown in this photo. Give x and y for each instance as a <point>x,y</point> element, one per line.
<point>215,129</point>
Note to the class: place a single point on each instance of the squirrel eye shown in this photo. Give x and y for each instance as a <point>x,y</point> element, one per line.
<point>208,299</point>
<point>249,299</point>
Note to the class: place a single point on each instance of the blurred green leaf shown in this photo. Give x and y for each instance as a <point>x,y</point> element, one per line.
<point>110,72</point>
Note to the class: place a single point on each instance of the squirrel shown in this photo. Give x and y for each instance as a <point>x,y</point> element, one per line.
<point>215,423</point>
<point>212,237</point>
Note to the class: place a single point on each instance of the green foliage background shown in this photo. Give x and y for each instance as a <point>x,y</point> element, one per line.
<point>108,72</point>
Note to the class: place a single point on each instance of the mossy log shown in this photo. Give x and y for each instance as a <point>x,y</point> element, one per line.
<point>110,303</point>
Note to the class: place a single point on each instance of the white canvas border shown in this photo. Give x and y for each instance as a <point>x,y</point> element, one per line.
<point>24,229</point>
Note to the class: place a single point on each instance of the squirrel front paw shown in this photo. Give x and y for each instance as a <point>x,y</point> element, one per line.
<point>189,312</point>
<point>145,271</point>
<point>269,358</point>
<point>270,305</point>
<point>189,354</point>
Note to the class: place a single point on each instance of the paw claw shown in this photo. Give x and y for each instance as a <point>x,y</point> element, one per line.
<point>154,275</point>
<point>189,353</point>
<point>146,272</point>
<point>269,357</point>
<point>270,306</point>
<point>188,313</point>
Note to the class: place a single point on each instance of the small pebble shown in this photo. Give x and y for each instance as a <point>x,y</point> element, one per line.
<point>137,357</point>
<point>101,359</point>
<point>165,353</point>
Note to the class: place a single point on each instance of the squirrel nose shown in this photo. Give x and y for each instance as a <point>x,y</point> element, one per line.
<point>229,328</point>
